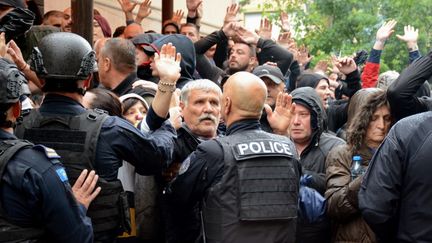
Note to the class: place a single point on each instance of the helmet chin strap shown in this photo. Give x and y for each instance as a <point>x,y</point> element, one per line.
<point>86,85</point>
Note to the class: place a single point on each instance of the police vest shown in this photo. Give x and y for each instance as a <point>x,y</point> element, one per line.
<point>10,232</point>
<point>257,196</point>
<point>75,139</point>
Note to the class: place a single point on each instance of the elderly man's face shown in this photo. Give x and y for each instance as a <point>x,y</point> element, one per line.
<point>201,112</point>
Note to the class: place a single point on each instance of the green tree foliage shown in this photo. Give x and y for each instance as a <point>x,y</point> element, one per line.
<point>342,27</point>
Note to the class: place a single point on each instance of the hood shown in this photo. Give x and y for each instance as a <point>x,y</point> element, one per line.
<point>186,48</point>
<point>309,80</point>
<point>309,97</point>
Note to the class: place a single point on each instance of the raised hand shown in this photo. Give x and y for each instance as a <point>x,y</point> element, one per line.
<point>303,56</point>
<point>167,64</point>
<point>178,16</point>
<point>231,13</point>
<point>280,118</point>
<point>144,11</point>
<point>192,6</point>
<point>229,29</point>
<point>84,188</point>
<point>265,30</point>
<point>346,65</point>
<point>410,36</point>
<point>15,53</point>
<point>386,30</point>
<point>246,35</point>
<point>127,6</point>
<point>285,24</point>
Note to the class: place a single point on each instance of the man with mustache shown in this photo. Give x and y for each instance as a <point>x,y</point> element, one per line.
<point>200,110</point>
<point>246,183</point>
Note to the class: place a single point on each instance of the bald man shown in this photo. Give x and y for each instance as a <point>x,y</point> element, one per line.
<point>132,30</point>
<point>247,182</point>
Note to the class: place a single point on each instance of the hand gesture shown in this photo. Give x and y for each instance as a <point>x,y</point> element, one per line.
<point>321,66</point>
<point>265,30</point>
<point>410,36</point>
<point>84,188</point>
<point>303,56</point>
<point>127,6</point>
<point>346,65</point>
<point>192,6</point>
<point>178,16</point>
<point>385,31</point>
<point>280,118</point>
<point>15,53</point>
<point>167,64</point>
<point>285,40</point>
<point>285,24</point>
<point>246,35</point>
<point>229,29</point>
<point>231,13</point>
<point>144,11</point>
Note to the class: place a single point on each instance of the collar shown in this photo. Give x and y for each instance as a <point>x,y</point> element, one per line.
<point>247,124</point>
<point>6,135</point>
<point>126,85</point>
<point>59,104</point>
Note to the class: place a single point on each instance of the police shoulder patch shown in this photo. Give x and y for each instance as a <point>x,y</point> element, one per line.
<point>185,165</point>
<point>49,152</point>
<point>62,174</point>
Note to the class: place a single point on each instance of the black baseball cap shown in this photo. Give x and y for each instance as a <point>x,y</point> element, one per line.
<point>271,72</point>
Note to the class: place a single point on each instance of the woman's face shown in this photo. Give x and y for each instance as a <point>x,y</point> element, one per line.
<point>135,113</point>
<point>378,127</point>
<point>97,31</point>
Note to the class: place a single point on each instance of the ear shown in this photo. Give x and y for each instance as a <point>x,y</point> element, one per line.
<point>227,108</point>
<point>106,65</point>
<point>253,62</point>
<point>16,109</point>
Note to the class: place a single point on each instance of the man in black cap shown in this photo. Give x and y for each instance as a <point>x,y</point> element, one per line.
<point>37,202</point>
<point>273,79</point>
<point>143,56</point>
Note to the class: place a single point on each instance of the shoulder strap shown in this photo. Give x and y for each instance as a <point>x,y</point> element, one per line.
<point>8,149</point>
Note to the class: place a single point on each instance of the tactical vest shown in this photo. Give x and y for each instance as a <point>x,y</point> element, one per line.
<point>10,232</point>
<point>257,196</point>
<point>75,139</point>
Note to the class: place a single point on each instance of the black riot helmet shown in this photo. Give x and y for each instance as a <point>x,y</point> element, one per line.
<point>63,56</point>
<point>12,83</point>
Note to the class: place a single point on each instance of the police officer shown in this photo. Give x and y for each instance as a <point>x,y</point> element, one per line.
<point>91,139</point>
<point>36,200</point>
<point>247,181</point>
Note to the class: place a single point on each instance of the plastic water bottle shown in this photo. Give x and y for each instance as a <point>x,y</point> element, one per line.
<point>357,168</point>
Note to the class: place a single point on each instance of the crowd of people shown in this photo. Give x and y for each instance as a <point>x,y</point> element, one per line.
<point>171,137</point>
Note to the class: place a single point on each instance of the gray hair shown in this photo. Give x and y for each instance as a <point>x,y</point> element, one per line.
<point>386,78</point>
<point>122,54</point>
<point>199,84</point>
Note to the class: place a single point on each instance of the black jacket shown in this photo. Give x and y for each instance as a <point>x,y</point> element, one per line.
<point>312,160</point>
<point>396,191</point>
<point>401,93</point>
